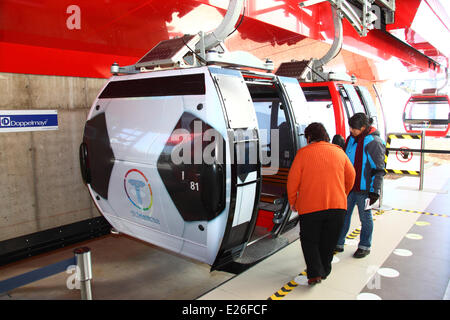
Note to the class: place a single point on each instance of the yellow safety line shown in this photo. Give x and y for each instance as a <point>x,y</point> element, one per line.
<point>280,294</point>
<point>421,212</point>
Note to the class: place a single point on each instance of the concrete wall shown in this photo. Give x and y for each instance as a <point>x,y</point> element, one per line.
<point>41,185</point>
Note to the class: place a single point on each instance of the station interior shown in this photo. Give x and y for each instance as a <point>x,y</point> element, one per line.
<point>75,63</point>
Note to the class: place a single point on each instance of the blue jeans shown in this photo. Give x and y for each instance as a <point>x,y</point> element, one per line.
<point>365,216</point>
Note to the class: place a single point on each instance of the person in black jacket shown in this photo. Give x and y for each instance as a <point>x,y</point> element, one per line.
<point>366,151</point>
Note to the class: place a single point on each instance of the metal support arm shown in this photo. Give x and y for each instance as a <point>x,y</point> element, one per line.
<point>200,49</point>
<point>337,42</point>
<point>227,25</point>
<point>361,17</point>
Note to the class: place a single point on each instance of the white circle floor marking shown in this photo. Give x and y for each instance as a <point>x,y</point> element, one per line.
<point>388,272</point>
<point>351,242</point>
<point>367,296</point>
<point>402,252</point>
<point>335,259</point>
<point>414,236</point>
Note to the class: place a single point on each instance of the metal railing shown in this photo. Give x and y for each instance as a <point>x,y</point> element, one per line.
<point>81,261</point>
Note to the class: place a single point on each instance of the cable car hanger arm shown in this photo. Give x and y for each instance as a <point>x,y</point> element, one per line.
<point>199,49</point>
<point>214,38</point>
<point>361,17</point>
<point>362,20</point>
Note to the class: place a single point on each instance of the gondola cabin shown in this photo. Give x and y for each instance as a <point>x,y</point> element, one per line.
<point>194,159</point>
<point>429,112</point>
<point>333,103</point>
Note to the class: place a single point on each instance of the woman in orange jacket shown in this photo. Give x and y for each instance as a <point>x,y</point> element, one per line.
<point>319,181</point>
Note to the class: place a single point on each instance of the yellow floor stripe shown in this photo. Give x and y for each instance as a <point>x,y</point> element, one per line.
<point>421,212</point>
<point>280,294</point>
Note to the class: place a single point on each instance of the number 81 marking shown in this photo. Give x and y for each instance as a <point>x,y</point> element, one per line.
<point>194,186</point>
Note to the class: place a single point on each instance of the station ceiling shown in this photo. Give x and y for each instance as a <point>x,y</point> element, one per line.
<point>60,38</point>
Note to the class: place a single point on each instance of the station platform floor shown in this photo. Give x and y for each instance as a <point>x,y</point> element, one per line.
<point>410,259</point>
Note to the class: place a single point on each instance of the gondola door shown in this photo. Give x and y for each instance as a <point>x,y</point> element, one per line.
<point>243,163</point>
<point>298,116</point>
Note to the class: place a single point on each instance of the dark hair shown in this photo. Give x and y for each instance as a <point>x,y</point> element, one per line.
<point>359,120</point>
<point>316,132</point>
<point>338,140</point>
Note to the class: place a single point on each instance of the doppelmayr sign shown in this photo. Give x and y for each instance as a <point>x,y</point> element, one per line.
<point>28,120</point>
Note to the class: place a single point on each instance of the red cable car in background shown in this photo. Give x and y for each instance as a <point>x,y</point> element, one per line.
<point>429,112</point>
<point>333,103</point>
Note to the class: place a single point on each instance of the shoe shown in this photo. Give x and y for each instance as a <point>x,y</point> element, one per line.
<point>314,281</point>
<point>338,249</point>
<point>360,253</point>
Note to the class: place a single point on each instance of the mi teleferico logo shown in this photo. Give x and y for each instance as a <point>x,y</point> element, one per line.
<point>5,121</point>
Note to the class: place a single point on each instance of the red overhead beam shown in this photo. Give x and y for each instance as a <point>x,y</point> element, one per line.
<point>35,37</point>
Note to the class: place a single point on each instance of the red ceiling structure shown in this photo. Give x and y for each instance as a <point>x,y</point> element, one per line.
<point>83,38</point>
